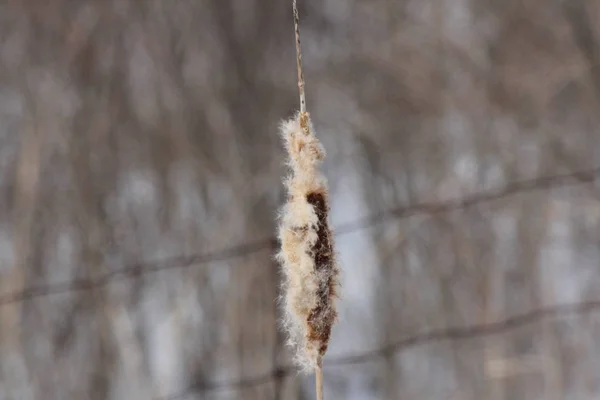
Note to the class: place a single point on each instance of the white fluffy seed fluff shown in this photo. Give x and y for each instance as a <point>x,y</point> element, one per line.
<point>307,256</point>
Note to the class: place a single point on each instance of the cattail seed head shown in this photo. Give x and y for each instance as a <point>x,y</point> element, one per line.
<point>307,255</point>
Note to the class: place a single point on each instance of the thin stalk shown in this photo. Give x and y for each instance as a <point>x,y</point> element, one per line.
<point>319,382</point>
<point>299,60</point>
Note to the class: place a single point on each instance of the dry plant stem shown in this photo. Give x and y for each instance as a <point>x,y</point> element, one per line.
<point>299,61</point>
<point>319,382</point>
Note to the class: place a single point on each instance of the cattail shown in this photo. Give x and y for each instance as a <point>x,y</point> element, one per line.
<point>307,252</point>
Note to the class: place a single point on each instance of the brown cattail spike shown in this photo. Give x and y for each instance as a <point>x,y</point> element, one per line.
<point>321,318</point>
<point>307,251</point>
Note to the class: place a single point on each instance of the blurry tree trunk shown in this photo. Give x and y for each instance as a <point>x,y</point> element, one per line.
<point>25,201</point>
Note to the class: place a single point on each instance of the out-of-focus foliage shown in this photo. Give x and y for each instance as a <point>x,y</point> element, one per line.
<point>133,131</point>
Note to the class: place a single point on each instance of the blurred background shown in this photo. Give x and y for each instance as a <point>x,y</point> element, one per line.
<point>141,179</point>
